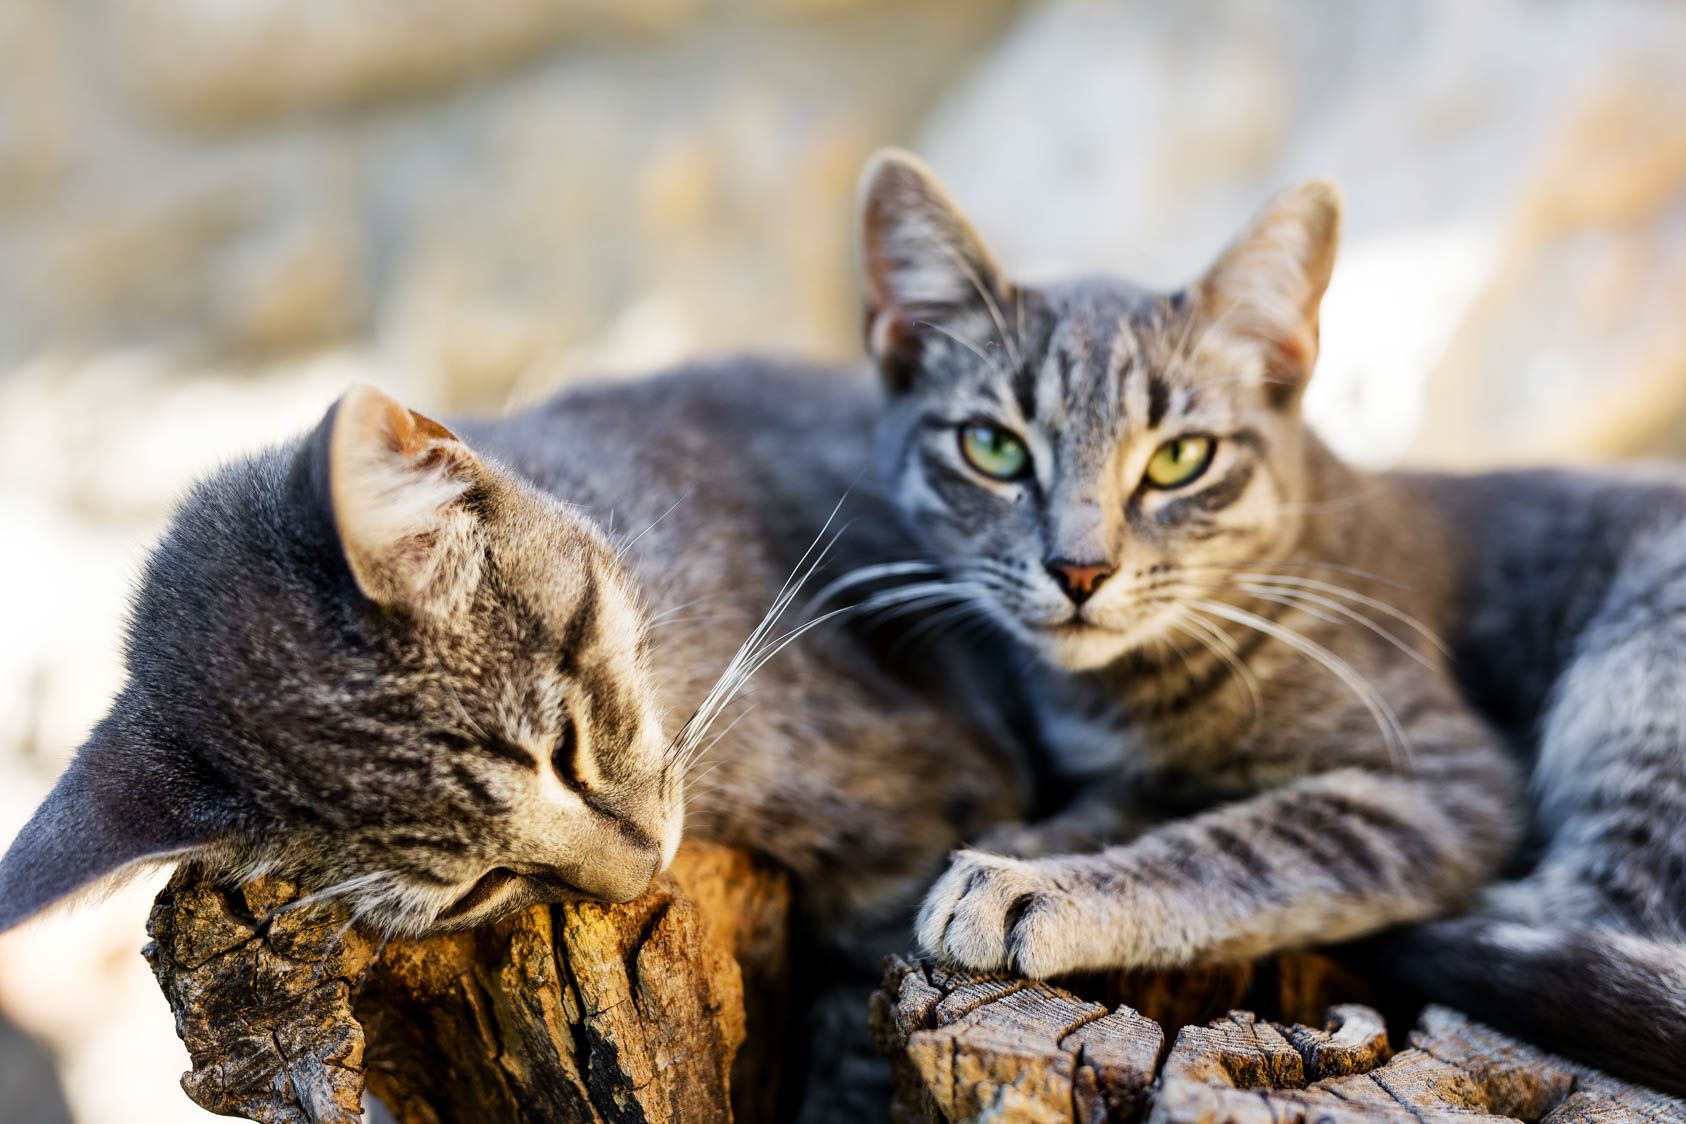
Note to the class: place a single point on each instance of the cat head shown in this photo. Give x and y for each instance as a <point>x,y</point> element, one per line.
<point>1085,457</point>
<point>378,663</point>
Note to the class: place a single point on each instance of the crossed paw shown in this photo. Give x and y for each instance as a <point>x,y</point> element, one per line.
<point>993,913</point>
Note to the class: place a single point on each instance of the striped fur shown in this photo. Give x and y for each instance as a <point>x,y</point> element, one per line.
<point>1616,1001</point>
<point>418,671</point>
<point>1335,702</point>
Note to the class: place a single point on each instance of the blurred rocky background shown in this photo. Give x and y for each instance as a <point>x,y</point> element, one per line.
<point>215,215</point>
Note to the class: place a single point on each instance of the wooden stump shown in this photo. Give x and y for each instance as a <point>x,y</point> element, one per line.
<point>674,1008</point>
<point>989,1048</point>
<point>667,1008</point>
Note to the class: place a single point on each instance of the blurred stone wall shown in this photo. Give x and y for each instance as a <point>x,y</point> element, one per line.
<point>488,192</point>
<point>1513,277</point>
<point>214,215</point>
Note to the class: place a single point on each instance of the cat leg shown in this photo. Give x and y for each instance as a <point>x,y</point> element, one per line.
<point>1323,859</point>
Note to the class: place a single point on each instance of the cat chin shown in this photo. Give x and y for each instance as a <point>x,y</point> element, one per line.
<point>1083,647</point>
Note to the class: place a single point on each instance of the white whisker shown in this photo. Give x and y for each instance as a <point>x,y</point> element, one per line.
<point>1353,595</point>
<point>1216,641</point>
<point>989,302</point>
<point>863,574</point>
<point>968,345</point>
<point>1299,598</point>
<point>356,882</point>
<point>1393,735</point>
<point>747,659</point>
<point>632,542</point>
<point>712,742</point>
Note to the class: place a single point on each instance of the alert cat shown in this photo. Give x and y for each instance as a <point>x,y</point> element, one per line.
<point>1298,702</point>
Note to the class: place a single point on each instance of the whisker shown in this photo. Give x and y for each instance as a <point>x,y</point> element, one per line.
<point>712,742</point>
<point>1268,379</point>
<point>681,607</point>
<point>894,603</point>
<point>709,709</point>
<point>935,623</point>
<point>1393,735</point>
<point>671,621</point>
<point>1223,649</point>
<point>1190,344</point>
<point>356,882</point>
<point>1298,564</point>
<point>1298,598</point>
<point>989,302</point>
<point>632,542</point>
<point>968,345</point>
<point>760,660</point>
<point>863,574</point>
<point>1353,595</point>
<point>462,711</point>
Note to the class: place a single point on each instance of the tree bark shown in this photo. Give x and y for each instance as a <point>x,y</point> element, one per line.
<point>970,1048</point>
<point>667,1008</point>
<point>675,1007</point>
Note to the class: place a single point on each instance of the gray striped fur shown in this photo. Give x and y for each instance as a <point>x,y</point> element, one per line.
<point>1332,702</point>
<point>389,660</point>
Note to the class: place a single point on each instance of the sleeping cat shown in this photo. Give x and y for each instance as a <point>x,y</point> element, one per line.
<point>1299,703</point>
<point>413,670</point>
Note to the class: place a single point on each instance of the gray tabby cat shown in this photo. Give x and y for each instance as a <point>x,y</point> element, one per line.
<point>410,671</point>
<point>1355,700</point>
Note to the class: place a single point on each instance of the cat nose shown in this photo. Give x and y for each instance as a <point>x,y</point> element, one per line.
<point>1078,579</point>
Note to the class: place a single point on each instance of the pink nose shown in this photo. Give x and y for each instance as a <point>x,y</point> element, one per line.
<point>1079,579</point>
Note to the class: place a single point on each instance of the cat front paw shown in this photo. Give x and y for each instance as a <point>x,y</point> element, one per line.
<point>992,913</point>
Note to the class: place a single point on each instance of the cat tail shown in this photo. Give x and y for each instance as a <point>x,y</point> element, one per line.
<point>1604,998</point>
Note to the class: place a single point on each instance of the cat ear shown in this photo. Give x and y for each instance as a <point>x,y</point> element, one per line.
<point>924,264</point>
<point>399,484</point>
<point>1266,286</point>
<point>111,811</point>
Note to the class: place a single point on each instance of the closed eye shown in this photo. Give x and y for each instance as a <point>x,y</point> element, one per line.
<point>495,746</point>
<point>564,758</point>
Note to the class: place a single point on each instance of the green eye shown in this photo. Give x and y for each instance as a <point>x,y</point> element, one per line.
<point>1180,461</point>
<point>994,451</point>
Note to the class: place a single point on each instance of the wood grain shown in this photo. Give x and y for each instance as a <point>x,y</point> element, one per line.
<point>971,1048</point>
<point>568,1013</point>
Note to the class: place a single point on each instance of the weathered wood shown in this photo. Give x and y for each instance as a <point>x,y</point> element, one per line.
<point>1526,1082</point>
<point>970,1047</point>
<point>263,1006</point>
<point>1296,987</point>
<point>585,1012</point>
<point>673,1007</point>
<point>974,1048</point>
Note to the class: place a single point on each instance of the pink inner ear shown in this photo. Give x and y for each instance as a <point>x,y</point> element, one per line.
<point>888,333</point>
<point>409,432</point>
<point>430,430</point>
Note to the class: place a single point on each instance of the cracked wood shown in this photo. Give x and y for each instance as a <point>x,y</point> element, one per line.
<point>970,1048</point>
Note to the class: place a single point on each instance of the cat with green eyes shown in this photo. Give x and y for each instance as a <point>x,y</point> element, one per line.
<point>1292,702</point>
<point>1001,455</point>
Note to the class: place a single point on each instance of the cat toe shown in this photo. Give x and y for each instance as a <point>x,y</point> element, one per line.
<point>987,913</point>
